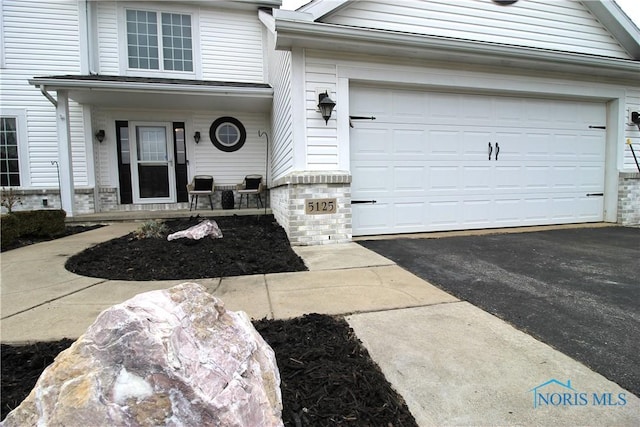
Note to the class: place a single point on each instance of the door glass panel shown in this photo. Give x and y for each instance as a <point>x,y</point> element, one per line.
<point>124,145</point>
<point>181,149</point>
<point>153,171</point>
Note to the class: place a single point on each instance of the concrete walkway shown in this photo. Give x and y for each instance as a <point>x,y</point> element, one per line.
<point>453,363</point>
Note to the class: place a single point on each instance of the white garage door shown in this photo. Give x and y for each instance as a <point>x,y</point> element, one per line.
<point>443,161</point>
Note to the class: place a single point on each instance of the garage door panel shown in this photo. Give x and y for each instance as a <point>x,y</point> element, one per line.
<point>374,218</point>
<point>426,162</point>
<point>591,148</point>
<point>589,178</point>
<point>443,178</point>
<point>564,208</point>
<point>508,212</point>
<point>476,178</point>
<point>409,214</point>
<point>443,213</point>
<point>409,141</point>
<point>475,144</point>
<point>372,179</point>
<point>477,213</point>
<point>372,142</point>
<point>536,145</point>
<point>504,177</point>
<point>536,177</point>
<point>443,144</point>
<point>410,179</point>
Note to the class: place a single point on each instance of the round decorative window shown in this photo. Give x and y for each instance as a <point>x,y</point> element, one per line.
<point>227,134</point>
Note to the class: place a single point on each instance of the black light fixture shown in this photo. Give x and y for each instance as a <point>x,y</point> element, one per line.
<point>196,137</point>
<point>100,135</point>
<point>325,104</point>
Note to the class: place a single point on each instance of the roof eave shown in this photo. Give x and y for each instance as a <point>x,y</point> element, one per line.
<point>323,36</point>
<point>618,23</point>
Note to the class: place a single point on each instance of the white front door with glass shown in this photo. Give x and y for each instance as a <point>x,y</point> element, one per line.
<point>152,172</point>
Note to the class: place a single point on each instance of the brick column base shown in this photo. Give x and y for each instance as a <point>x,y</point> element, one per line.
<point>629,198</point>
<point>288,197</point>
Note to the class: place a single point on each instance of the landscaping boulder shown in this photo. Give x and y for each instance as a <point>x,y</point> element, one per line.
<point>170,357</point>
<point>197,232</point>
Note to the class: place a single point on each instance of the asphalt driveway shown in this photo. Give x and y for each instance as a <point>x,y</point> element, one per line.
<point>577,290</point>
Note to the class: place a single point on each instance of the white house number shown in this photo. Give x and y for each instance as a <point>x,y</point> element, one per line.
<point>320,206</point>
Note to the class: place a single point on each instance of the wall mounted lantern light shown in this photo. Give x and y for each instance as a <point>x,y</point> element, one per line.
<point>196,137</point>
<point>325,105</point>
<point>100,135</point>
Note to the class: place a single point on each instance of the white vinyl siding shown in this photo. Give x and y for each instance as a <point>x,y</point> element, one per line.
<point>228,168</point>
<point>281,119</point>
<point>632,132</point>
<point>231,46</point>
<point>42,43</point>
<point>227,44</point>
<point>322,142</point>
<point>562,25</point>
<point>107,24</point>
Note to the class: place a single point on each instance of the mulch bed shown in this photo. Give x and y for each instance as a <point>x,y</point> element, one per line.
<point>250,245</point>
<point>327,376</point>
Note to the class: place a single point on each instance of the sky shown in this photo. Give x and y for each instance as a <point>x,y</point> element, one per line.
<point>630,7</point>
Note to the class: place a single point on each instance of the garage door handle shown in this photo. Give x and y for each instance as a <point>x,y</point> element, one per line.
<point>359,202</point>
<point>497,151</point>
<point>595,194</point>
<point>490,150</point>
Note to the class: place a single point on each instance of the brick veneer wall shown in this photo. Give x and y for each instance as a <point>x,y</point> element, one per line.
<point>288,195</point>
<point>629,198</point>
<point>33,199</point>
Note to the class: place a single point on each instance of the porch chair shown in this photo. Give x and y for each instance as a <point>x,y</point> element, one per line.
<point>252,184</point>
<point>201,185</point>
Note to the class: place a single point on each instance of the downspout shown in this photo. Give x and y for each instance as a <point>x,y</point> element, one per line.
<point>47,95</point>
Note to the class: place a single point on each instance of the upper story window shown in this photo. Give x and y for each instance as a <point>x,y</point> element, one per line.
<point>159,41</point>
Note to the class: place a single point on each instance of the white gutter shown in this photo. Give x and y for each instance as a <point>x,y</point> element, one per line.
<point>124,86</point>
<point>320,34</point>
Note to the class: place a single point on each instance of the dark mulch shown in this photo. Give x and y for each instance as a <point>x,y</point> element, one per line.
<point>327,376</point>
<point>251,245</point>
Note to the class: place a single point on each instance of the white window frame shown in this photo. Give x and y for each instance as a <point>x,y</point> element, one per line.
<point>23,149</point>
<point>123,42</point>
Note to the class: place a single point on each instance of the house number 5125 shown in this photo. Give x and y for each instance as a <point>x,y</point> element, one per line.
<point>320,206</point>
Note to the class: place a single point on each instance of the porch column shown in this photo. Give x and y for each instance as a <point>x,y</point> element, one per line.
<point>64,153</point>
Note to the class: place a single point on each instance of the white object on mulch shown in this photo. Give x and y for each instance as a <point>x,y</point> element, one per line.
<point>197,232</point>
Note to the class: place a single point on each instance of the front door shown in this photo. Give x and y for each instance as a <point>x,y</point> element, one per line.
<point>153,170</point>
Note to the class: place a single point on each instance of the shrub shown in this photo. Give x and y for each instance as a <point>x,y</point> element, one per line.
<point>10,229</point>
<point>9,198</point>
<point>151,229</point>
<point>40,223</point>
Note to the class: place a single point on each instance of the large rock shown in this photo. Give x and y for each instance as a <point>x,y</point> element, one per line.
<point>171,357</point>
